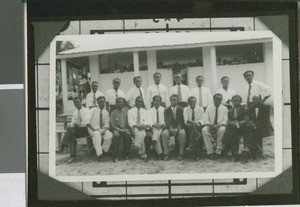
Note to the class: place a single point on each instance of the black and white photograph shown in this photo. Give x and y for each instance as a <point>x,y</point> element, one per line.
<point>157,106</point>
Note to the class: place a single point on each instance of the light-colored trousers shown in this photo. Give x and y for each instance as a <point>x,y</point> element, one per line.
<point>156,136</point>
<point>97,140</point>
<point>207,140</point>
<point>181,141</point>
<point>139,137</point>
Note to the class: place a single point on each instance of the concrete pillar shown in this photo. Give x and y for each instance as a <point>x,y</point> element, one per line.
<point>136,64</point>
<point>210,68</point>
<point>268,59</point>
<point>152,65</point>
<point>94,67</point>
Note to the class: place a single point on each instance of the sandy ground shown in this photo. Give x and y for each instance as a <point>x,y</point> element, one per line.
<point>87,164</point>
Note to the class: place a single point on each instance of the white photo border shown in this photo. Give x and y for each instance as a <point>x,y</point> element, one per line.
<point>257,36</point>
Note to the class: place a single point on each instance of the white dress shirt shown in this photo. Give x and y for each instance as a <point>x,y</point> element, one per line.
<point>152,116</point>
<point>185,92</point>
<point>210,112</point>
<point>257,88</point>
<point>132,94</point>
<point>111,96</point>
<point>90,99</point>
<point>81,120</point>
<point>207,97</point>
<point>198,112</point>
<point>132,116</point>
<point>227,94</point>
<point>94,118</point>
<point>154,90</point>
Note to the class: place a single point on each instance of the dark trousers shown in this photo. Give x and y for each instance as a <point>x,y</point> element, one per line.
<point>121,143</point>
<point>231,140</point>
<point>253,140</point>
<point>71,135</point>
<point>195,139</point>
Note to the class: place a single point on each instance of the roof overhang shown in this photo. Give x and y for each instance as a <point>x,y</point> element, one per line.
<point>90,45</point>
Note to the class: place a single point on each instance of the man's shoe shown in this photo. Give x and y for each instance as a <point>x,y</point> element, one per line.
<point>197,158</point>
<point>115,159</point>
<point>167,157</point>
<point>211,156</point>
<point>100,158</point>
<point>180,157</point>
<point>217,156</point>
<point>71,160</point>
<point>235,158</point>
<point>189,149</point>
<point>61,149</point>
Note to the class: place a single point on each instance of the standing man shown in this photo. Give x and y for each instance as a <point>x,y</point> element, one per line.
<point>78,128</point>
<point>258,127</point>
<point>256,87</point>
<point>181,90</point>
<point>157,89</point>
<point>215,117</point>
<point>236,127</point>
<point>137,120</point>
<point>202,93</point>
<point>193,118</point>
<point>135,92</point>
<point>174,127</point>
<point>112,94</point>
<point>157,123</point>
<point>226,92</point>
<point>121,141</point>
<point>91,98</point>
<point>98,128</point>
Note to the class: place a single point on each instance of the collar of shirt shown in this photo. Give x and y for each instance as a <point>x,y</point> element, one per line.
<point>173,108</point>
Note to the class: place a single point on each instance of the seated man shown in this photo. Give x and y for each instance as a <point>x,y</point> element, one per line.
<point>121,141</point>
<point>157,123</point>
<point>238,117</point>
<point>215,117</point>
<point>137,120</point>
<point>98,128</point>
<point>174,127</point>
<point>258,127</point>
<point>193,118</point>
<point>77,129</point>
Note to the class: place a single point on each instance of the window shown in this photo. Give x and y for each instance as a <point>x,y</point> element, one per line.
<point>116,62</point>
<point>179,58</point>
<point>239,54</point>
<point>143,60</point>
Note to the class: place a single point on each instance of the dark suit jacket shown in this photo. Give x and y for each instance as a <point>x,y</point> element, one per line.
<point>172,121</point>
<point>262,121</point>
<point>242,116</point>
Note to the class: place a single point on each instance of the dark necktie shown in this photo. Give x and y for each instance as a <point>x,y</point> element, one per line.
<point>235,113</point>
<point>200,97</point>
<point>248,96</point>
<point>101,119</point>
<point>138,117</point>
<point>216,116</point>
<point>157,116</point>
<point>141,95</point>
<point>94,100</point>
<point>78,120</point>
<point>179,93</point>
<point>193,115</point>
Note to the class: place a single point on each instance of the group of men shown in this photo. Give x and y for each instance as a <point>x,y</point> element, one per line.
<point>195,122</point>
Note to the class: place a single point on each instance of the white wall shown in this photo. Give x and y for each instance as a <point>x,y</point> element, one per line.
<point>193,72</point>
<point>235,73</point>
